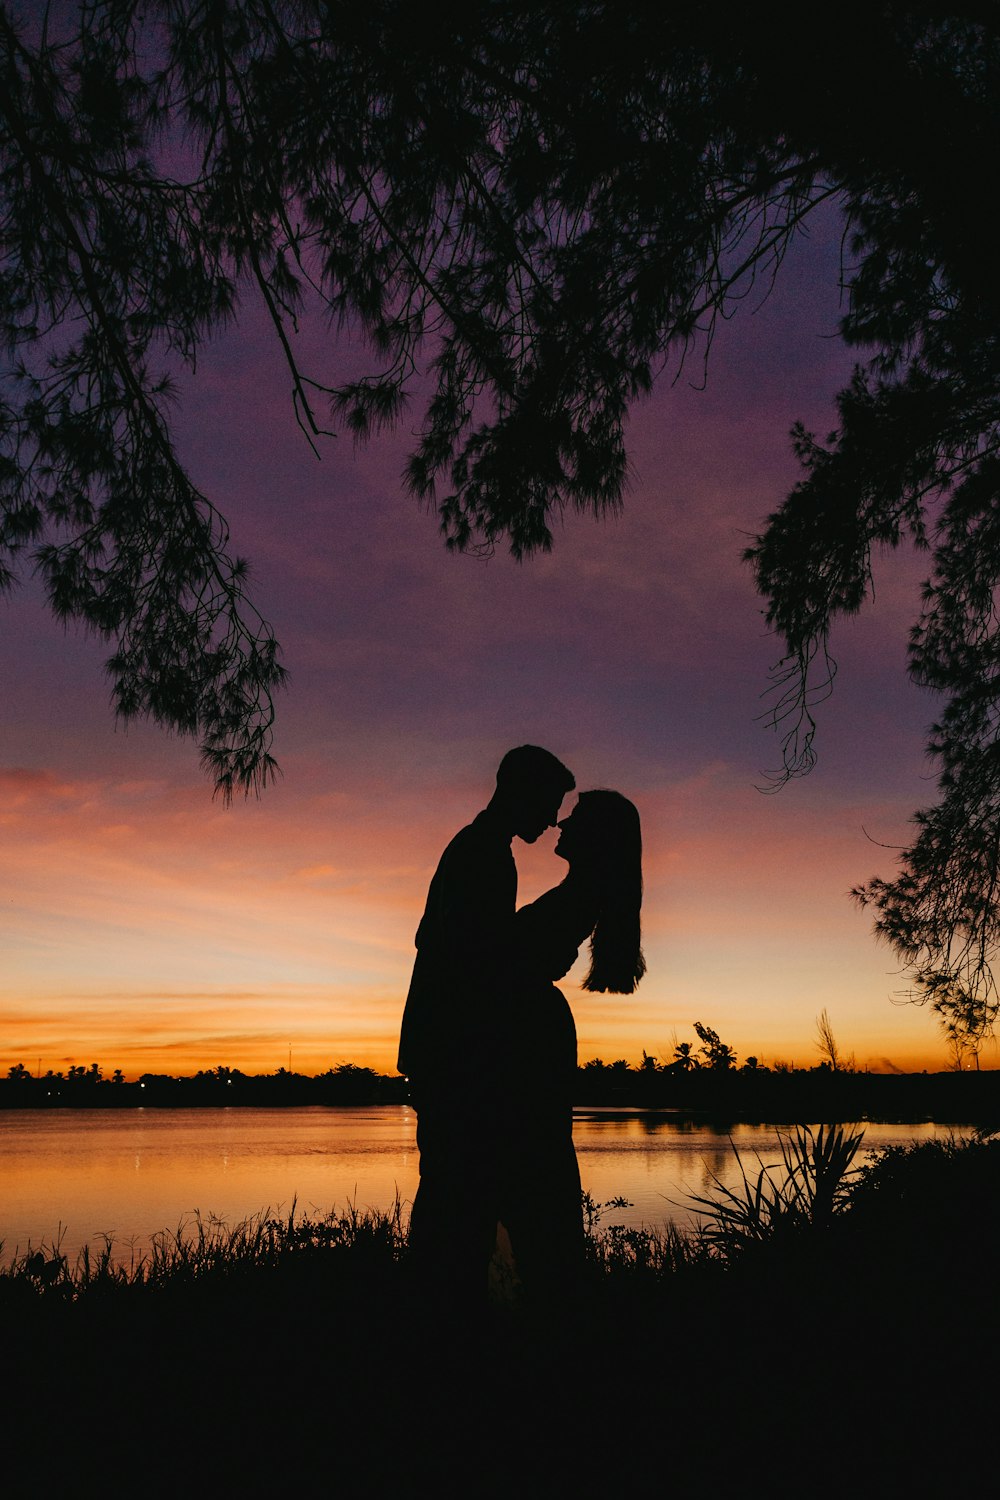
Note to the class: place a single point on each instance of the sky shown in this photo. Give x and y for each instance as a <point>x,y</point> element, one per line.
<point>146,926</point>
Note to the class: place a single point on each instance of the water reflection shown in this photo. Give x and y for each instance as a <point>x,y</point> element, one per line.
<point>660,1162</point>
<point>131,1173</point>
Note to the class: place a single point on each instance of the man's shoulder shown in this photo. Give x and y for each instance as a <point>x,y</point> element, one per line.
<point>479,842</point>
<point>477,854</point>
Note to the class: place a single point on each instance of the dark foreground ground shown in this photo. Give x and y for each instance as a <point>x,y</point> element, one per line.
<point>856,1360</point>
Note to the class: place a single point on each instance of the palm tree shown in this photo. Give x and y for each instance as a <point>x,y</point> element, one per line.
<point>685,1058</point>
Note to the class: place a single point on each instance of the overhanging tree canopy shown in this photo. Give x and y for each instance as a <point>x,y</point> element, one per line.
<point>543,205</point>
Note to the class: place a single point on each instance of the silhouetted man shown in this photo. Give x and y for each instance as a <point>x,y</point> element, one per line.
<point>453,1036</point>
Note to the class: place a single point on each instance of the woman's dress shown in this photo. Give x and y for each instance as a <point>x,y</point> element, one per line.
<point>540,1179</point>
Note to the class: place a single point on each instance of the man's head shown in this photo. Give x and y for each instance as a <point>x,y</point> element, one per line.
<point>531,784</point>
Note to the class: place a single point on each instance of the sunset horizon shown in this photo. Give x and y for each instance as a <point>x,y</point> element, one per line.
<point>149,927</point>
<point>145,922</point>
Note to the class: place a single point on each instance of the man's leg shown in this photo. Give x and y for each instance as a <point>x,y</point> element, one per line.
<point>453,1222</point>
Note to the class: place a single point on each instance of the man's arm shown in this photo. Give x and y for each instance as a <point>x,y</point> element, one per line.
<point>461,977</point>
<point>470,909</point>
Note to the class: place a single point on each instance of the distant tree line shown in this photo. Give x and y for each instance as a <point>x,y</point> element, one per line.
<point>706,1081</point>
<point>80,1087</point>
<point>786,1094</point>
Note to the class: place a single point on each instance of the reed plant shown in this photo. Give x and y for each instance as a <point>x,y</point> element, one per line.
<point>808,1188</point>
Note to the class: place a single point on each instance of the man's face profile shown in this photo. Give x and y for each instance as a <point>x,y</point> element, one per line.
<point>537,811</point>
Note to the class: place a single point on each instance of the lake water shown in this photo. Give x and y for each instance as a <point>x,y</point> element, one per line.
<point>78,1175</point>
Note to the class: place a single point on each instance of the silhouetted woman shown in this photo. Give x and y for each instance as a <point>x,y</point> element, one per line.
<point>599,899</point>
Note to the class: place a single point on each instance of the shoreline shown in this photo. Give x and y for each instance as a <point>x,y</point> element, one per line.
<point>583,1111</point>
<point>751,1097</point>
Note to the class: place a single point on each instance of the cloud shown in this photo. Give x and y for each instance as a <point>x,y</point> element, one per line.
<point>29,786</point>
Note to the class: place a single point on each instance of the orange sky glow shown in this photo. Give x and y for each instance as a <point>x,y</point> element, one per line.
<point>147,927</point>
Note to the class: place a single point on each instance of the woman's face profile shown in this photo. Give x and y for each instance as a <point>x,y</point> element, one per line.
<point>572,833</point>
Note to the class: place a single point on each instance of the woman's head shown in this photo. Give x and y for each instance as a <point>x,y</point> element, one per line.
<point>601,840</point>
<point>600,833</point>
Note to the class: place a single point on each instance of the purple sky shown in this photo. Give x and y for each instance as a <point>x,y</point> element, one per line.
<point>147,927</point>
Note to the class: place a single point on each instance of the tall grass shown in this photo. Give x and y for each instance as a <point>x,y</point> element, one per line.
<point>815,1183</point>
<point>207,1247</point>
<point>617,1249</point>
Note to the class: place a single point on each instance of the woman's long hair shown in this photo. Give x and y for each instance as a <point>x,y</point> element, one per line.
<point>613,859</point>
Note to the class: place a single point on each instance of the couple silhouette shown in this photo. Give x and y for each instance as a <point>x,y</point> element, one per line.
<point>488,1041</point>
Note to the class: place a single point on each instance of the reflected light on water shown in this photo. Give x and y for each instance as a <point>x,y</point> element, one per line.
<point>659,1162</point>
<point>79,1175</point>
